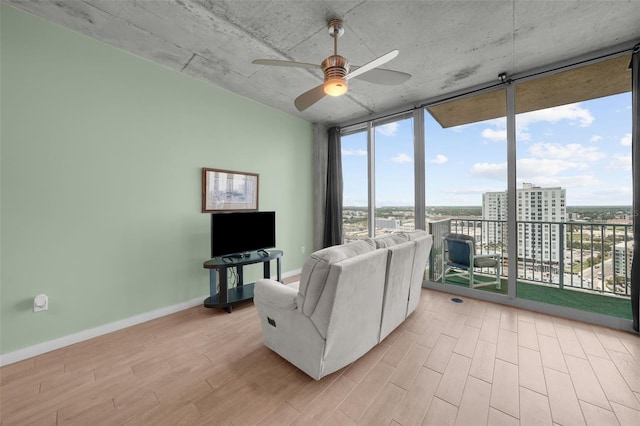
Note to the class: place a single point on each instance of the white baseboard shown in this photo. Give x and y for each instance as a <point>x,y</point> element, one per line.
<point>41,348</point>
<point>51,345</point>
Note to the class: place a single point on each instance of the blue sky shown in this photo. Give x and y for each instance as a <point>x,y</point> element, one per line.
<point>584,148</point>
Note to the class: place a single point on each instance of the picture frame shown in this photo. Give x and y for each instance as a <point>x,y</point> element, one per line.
<point>229,190</point>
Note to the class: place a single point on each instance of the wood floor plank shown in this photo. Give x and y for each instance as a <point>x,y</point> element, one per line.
<point>489,330</point>
<point>586,383</point>
<point>569,343</point>
<point>416,402</point>
<point>169,415</point>
<point>474,406</point>
<point>527,335</point>
<point>590,343</point>
<point>467,341</point>
<point>408,368</point>
<point>625,415</point>
<point>597,416</point>
<point>628,367</point>
<point>507,349</point>
<point>551,354</point>
<point>441,353</point>
<point>400,347</point>
<point>326,403</point>
<point>362,395</point>
<point>440,413</point>
<point>483,361</point>
<point>534,409</point>
<point>283,414</point>
<point>612,382</point>
<point>565,409</point>
<point>432,333</point>
<point>530,370</point>
<point>498,418</point>
<point>504,392</point>
<point>453,380</point>
<point>361,367</point>
<point>381,409</point>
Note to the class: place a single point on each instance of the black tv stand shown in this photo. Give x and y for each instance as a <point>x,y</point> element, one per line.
<point>218,270</point>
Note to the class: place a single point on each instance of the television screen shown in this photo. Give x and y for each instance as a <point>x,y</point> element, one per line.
<point>240,232</point>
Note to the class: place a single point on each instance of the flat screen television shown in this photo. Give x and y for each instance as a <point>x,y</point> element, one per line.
<point>240,232</point>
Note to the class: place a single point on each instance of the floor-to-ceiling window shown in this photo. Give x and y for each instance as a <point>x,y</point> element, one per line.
<point>536,168</point>
<point>355,202</point>
<point>466,178</point>
<point>574,187</point>
<point>394,176</point>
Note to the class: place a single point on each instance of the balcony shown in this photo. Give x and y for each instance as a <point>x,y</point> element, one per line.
<point>585,266</point>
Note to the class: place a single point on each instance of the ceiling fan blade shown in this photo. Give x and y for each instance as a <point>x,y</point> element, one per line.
<point>373,64</point>
<point>279,63</point>
<point>309,97</point>
<point>382,76</point>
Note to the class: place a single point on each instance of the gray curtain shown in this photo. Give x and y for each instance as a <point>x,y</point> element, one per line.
<point>635,155</point>
<point>333,204</point>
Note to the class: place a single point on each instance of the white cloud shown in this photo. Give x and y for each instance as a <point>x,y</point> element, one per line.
<point>620,162</point>
<point>601,196</point>
<point>527,168</point>
<point>495,135</point>
<point>440,159</point>
<point>389,129</point>
<point>573,151</point>
<point>571,112</point>
<point>473,190</point>
<point>575,181</point>
<point>490,170</point>
<point>357,152</point>
<point>595,138</point>
<point>401,158</point>
<point>626,140</point>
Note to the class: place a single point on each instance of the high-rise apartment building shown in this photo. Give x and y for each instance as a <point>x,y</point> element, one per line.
<point>539,214</point>
<point>622,257</point>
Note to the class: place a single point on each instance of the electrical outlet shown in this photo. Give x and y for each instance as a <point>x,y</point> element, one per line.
<point>40,303</point>
<point>302,249</point>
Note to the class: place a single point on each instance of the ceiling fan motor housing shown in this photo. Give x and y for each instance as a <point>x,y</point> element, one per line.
<point>335,66</point>
<point>335,69</point>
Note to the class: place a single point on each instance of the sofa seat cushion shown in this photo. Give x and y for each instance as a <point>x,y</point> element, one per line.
<point>316,270</point>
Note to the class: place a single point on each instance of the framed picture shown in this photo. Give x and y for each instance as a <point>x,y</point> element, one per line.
<point>226,190</point>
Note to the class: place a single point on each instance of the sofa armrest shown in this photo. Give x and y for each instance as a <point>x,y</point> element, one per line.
<point>276,294</point>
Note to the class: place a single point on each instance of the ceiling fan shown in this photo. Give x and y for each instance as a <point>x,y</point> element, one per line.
<point>337,71</point>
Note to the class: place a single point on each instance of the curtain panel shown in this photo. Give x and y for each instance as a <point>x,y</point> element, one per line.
<point>635,140</point>
<point>333,201</point>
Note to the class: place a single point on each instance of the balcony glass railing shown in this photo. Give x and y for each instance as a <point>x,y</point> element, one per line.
<point>593,257</point>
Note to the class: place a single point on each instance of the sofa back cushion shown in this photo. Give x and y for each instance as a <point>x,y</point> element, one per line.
<point>315,271</point>
<point>423,241</point>
<point>396,288</point>
<point>390,240</point>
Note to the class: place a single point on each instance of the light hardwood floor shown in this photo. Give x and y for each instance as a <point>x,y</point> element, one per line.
<point>473,363</point>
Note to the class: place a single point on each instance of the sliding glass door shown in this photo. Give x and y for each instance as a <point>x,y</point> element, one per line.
<point>574,188</point>
<point>466,183</point>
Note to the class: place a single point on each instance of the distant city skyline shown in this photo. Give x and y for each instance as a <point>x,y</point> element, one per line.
<point>582,147</point>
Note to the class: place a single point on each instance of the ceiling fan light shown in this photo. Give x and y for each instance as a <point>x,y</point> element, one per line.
<point>335,86</point>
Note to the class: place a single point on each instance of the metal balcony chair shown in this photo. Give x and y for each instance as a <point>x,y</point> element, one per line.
<point>459,258</point>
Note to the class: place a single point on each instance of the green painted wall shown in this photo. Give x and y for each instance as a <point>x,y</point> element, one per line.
<point>101,156</point>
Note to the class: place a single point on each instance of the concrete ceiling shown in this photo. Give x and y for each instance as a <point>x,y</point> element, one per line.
<point>445,45</point>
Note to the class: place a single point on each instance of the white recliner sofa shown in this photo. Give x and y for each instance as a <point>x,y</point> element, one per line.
<point>349,298</point>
